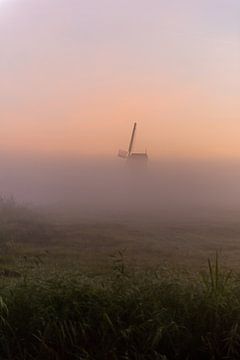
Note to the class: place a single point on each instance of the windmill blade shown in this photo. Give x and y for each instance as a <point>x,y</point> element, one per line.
<point>132,139</point>
<point>123,154</point>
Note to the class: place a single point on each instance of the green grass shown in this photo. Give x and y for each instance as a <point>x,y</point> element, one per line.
<point>121,315</point>
<point>53,306</point>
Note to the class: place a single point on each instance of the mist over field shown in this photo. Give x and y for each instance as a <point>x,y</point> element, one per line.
<point>108,186</point>
<point>135,256</point>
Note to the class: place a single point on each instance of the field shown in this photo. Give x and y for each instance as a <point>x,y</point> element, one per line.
<point>118,287</point>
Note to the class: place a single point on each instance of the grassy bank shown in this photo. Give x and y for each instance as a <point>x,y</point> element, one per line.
<point>121,315</point>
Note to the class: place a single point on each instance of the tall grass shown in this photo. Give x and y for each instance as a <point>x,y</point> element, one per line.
<point>121,315</point>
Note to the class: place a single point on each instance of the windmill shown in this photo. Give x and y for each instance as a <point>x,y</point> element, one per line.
<point>131,156</point>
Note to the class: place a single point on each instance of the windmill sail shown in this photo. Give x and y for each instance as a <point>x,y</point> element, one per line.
<point>130,155</point>
<point>132,139</point>
<point>123,154</point>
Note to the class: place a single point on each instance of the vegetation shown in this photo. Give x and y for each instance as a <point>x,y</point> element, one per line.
<point>121,315</point>
<point>54,309</point>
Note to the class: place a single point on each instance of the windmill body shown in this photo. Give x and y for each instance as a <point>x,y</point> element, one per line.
<point>131,156</point>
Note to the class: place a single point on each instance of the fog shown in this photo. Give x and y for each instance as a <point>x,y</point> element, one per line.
<point>108,186</point>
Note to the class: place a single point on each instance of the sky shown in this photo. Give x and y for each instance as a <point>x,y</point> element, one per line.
<point>75,76</point>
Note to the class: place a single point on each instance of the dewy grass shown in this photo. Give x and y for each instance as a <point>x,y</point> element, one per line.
<point>50,312</point>
<point>121,315</point>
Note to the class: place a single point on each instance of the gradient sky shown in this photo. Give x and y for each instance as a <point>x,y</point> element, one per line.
<point>76,74</point>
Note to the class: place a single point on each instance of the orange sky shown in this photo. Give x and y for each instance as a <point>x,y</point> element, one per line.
<point>75,75</point>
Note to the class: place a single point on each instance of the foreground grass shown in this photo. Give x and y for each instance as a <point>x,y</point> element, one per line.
<point>121,315</point>
<point>54,307</point>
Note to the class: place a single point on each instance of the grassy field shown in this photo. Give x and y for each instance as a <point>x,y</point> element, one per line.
<point>118,288</point>
<point>91,243</point>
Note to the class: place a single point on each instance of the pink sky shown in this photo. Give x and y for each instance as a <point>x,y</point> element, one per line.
<point>76,74</point>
